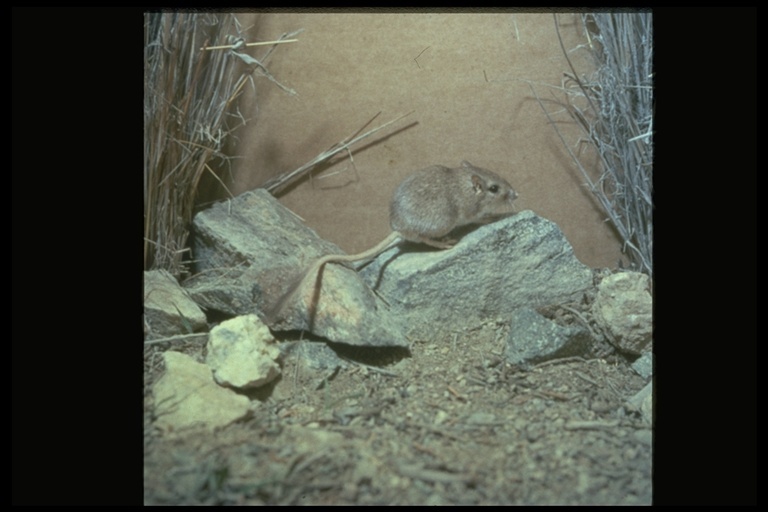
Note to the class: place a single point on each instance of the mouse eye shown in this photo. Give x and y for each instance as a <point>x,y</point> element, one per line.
<point>493,189</point>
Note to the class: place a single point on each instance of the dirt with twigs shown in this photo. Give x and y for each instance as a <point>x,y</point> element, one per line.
<point>452,423</point>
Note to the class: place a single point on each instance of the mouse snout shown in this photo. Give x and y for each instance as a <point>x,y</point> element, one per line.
<point>506,205</point>
<point>509,196</point>
<point>503,204</point>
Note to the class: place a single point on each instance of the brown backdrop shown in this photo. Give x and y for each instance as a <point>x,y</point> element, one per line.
<point>460,73</point>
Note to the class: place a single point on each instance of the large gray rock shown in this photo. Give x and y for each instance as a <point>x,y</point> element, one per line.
<point>247,250</point>
<point>252,250</point>
<point>520,261</point>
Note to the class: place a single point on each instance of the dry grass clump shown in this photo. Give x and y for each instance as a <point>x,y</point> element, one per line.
<point>189,111</point>
<point>614,108</point>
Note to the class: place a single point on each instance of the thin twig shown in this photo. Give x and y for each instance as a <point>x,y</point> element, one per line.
<point>176,338</point>
<point>284,179</point>
<point>592,425</point>
<point>238,45</point>
<point>562,360</point>
<point>431,475</point>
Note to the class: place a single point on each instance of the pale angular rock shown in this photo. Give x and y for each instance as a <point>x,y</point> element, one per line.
<point>623,308</point>
<point>186,396</point>
<point>643,402</point>
<point>644,365</point>
<point>168,309</point>
<point>647,407</point>
<point>242,353</point>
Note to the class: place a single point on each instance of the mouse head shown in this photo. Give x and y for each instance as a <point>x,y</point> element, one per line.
<point>494,195</point>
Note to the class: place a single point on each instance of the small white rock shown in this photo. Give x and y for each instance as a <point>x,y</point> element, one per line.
<point>242,353</point>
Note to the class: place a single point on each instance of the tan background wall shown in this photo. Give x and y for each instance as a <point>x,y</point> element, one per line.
<point>459,72</point>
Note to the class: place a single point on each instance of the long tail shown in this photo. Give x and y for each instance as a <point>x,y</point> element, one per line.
<point>315,272</point>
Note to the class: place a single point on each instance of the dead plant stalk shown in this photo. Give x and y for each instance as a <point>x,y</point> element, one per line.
<point>189,97</point>
<point>618,122</point>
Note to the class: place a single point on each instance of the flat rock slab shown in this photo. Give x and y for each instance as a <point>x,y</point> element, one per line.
<point>186,396</point>
<point>521,261</point>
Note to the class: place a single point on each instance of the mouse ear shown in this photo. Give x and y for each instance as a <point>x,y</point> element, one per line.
<point>477,184</point>
<point>467,165</point>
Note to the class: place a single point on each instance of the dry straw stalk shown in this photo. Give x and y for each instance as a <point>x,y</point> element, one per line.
<point>614,108</point>
<point>189,111</point>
